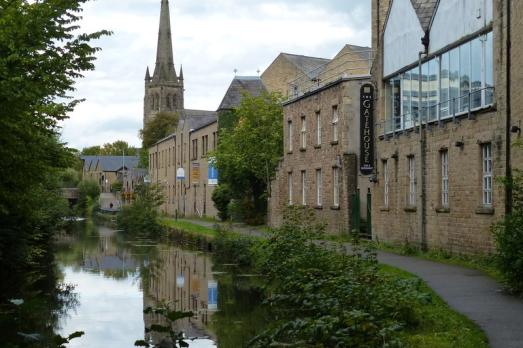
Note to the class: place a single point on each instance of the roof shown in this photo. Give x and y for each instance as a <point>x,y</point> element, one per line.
<point>239,85</point>
<point>110,163</point>
<point>425,10</point>
<point>363,51</point>
<point>198,119</point>
<point>311,66</point>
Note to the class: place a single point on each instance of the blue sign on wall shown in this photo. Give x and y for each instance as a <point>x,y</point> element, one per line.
<point>212,298</point>
<point>212,175</point>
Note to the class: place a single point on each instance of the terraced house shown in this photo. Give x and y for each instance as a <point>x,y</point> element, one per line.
<point>445,74</point>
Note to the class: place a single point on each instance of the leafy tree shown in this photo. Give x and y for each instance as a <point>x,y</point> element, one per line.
<point>162,125</point>
<point>89,191</point>
<point>42,52</point>
<point>117,148</point>
<point>248,153</point>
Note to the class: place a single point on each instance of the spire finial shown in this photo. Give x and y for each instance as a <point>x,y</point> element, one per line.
<point>181,72</point>
<point>164,68</point>
<point>147,75</point>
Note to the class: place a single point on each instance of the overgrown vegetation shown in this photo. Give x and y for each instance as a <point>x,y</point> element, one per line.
<point>319,297</point>
<point>141,218</point>
<point>88,194</point>
<point>509,237</point>
<point>161,126</point>
<point>248,154</point>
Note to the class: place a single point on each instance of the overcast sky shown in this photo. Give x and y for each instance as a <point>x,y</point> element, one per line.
<point>211,38</point>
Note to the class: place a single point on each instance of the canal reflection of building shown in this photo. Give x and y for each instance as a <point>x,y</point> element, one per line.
<point>107,257</point>
<point>183,280</point>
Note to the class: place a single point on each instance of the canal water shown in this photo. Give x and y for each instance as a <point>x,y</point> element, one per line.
<point>115,278</point>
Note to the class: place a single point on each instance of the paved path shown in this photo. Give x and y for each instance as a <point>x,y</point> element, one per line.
<point>467,291</point>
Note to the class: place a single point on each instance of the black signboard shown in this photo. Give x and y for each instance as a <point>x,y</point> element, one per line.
<point>366,129</point>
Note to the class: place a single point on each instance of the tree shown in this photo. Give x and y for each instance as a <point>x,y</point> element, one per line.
<point>117,148</point>
<point>41,54</point>
<point>248,153</point>
<point>162,125</point>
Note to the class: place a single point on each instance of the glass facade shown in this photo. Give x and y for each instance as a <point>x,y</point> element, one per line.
<point>454,82</point>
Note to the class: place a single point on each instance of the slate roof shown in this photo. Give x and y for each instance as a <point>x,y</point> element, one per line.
<point>240,84</point>
<point>198,119</point>
<point>110,163</point>
<point>425,10</point>
<point>310,66</point>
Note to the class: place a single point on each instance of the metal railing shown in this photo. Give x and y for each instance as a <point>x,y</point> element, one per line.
<point>451,108</point>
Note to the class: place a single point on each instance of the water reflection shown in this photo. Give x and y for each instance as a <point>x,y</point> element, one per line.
<point>117,278</point>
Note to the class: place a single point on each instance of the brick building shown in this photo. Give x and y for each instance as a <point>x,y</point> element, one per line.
<point>319,168</point>
<point>442,126</point>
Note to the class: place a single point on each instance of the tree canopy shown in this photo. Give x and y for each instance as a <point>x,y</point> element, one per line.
<point>111,149</point>
<point>162,125</point>
<point>42,52</point>
<point>249,152</point>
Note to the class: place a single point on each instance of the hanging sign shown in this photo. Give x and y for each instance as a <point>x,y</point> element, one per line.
<point>180,174</point>
<point>180,281</point>
<point>212,303</point>
<point>195,172</point>
<point>212,175</point>
<point>366,129</point>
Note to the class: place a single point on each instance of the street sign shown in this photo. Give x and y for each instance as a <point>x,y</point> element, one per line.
<point>180,174</point>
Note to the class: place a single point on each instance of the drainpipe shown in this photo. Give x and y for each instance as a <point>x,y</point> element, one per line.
<point>422,214</point>
<point>508,167</point>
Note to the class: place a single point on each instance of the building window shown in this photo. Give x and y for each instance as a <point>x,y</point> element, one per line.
<point>205,145</point>
<point>289,187</point>
<point>336,186</point>
<point>319,188</point>
<point>452,83</point>
<point>318,128</point>
<point>303,187</point>
<point>412,181</point>
<point>195,149</point>
<point>385,183</point>
<point>486,150</point>
<point>303,133</point>
<point>214,140</point>
<point>290,135</point>
<point>335,120</point>
<point>444,156</point>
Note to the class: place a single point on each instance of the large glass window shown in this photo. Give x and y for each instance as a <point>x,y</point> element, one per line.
<point>451,83</point>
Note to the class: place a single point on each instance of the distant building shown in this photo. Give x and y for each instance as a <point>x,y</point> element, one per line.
<point>108,170</point>
<point>443,119</point>
<point>320,165</point>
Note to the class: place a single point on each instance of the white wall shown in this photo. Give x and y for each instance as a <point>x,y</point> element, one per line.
<point>402,38</point>
<point>458,18</point>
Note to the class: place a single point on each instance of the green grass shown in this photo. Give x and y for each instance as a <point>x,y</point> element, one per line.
<point>439,325</point>
<point>188,227</point>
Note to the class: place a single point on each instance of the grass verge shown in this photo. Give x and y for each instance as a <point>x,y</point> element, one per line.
<point>188,227</point>
<point>439,325</point>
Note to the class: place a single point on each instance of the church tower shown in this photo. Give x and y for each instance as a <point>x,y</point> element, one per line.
<point>164,90</point>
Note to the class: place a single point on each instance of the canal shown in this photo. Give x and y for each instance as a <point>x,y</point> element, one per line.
<point>114,278</point>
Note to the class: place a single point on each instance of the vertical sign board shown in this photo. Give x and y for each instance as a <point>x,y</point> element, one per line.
<point>212,175</point>
<point>195,172</point>
<point>366,129</point>
<point>212,303</point>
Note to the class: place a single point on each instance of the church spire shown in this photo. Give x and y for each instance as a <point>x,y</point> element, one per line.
<point>164,69</point>
<point>181,72</point>
<point>147,75</point>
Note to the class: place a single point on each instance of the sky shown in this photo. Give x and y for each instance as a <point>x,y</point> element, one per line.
<point>211,39</point>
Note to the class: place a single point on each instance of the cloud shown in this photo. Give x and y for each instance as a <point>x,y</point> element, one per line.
<point>210,38</point>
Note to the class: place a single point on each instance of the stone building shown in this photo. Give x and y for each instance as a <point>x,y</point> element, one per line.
<point>442,123</point>
<point>319,168</point>
<point>108,170</point>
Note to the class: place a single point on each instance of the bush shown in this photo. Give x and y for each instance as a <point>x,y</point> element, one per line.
<point>89,191</point>
<point>323,298</point>
<point>221,197</point>
<point>509,239</point>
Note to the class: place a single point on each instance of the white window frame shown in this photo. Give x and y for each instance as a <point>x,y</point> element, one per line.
<point>319,188</point>
<point>412,180</point>
<point>386,183</point>
<point>444,178</point>
<point>486,159</point>
<point>303,187</point>
<point>290,135</point>
<point>335,121</point>
<point>289,187</point>
<point>318,128</point>
<point>336,186</point>
<point>303,133</point>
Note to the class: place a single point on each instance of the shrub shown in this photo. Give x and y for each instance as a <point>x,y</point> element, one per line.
<point>509,239</point>
<point>89,191</point>
<point>221,197</point>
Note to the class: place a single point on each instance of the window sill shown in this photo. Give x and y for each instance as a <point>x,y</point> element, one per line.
<point>484,210</point>
<point>318,207</point>
<point>334,142</point>
<point>410,209</point>
<point>303,149</point>
<point>335,207</point>
<point>384,209</point>
<point>289,152</point>
<point>442,210</point>
<point>318,146</point>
